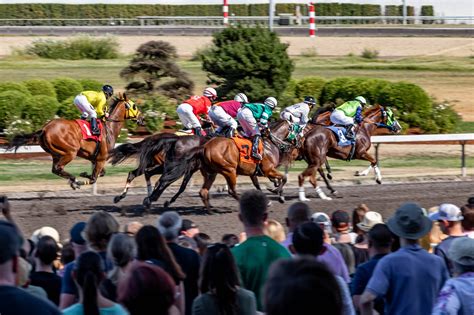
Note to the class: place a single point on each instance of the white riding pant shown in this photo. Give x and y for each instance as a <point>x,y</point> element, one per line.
<point>84,106</point>
<point>290,117</point>
<point>339,118</point>
<point>187,117</point>
<point>219,116</point>
<point>248,122</point>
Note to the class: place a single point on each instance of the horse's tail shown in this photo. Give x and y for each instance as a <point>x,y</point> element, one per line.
<point>148,152</point>
<point>19,140</point>
<point>124,152</point>
<point>174,169</point>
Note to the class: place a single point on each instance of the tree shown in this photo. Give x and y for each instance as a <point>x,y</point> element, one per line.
<point>249,60</point>
<point>154,61</point>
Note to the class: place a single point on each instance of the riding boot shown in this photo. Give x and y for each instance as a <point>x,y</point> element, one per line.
<point>94,127</point>
<point>230,132</point>
<point>255,143</point>
<point>197,131</point>
<point>350,134</point>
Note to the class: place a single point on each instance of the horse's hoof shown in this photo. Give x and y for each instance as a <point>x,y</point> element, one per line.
<point>273,190</point>
<point>281,199</point>
<point>304,199</point>
<point>166,204</point>
<point>118,198</point>
<point>379,181</point>
<point>85,175</point>
<point>269,203</point>
<point>357,173</point>
<point>330,176</point>
<point>147,203</point>
<point>334,192</point>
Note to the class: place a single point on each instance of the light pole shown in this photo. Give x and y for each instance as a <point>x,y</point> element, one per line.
<point>271,13</point>
<point>404,12</point>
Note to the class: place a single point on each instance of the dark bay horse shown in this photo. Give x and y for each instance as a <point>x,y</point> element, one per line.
<point>321,143</point>
<point>62,139</point>
<point>221,156</point>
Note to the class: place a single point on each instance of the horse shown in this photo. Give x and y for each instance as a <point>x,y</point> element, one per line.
<point>321,142</point>
<point>221,156</point>
<point>63,140</point>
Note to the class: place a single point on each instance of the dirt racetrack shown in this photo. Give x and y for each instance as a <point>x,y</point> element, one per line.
<point>62,213</point>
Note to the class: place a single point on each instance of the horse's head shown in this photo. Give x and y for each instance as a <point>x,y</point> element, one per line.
<point>129,110</point>
<point>383,117</point>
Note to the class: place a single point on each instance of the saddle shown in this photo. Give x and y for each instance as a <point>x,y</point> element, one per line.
<point>86,130</point>
<point>245,149</point>
<point>342,141</point>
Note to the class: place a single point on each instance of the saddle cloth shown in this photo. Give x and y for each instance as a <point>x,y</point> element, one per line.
<point>340,133</point>
<point>87,130</point>
<point>245,148</point>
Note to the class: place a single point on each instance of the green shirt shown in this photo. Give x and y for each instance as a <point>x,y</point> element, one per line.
<point>260,111</point>
<point>253,258</point>
<point>349,108</point>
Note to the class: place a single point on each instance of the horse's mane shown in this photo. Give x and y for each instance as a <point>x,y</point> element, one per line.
<point>276,123</point>
<point>371,110</point>
<point>115,102</point>
<point>322,110</point>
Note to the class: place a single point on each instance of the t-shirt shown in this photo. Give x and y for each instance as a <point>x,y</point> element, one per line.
<point>190,262</point>
<point>456,296</point>
<point>200,104</point>
<point>362,277</point>
<point>50,282</point>
<point>442,251</point>
<point>347,306</point>
<point>206,304</point>
<point>409,279</point>
<point>15,301</point>
<point>78,309</point>
<point>361,255</point>
<point>253,258</point>
<point>334,261</point>
<point>230,107</point>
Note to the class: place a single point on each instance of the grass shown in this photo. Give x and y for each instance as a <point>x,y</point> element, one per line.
<point>465,127</point>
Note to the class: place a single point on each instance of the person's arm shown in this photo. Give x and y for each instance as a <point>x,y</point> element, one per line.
<point>180,301</point>
<point>267,112</point>
<point>6,211</point>
<point>101,106</point>
<point>366,303</point>
<point>447,302</point>
<point>358,115</point>
<point>68,288</point>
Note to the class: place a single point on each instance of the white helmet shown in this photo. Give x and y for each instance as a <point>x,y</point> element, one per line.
<point>361,100</point>
<point>210,93</point>
<point>271,102</point>
<point>241,97</point>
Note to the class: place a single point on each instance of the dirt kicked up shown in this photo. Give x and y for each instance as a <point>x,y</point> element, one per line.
<point>62,213</point>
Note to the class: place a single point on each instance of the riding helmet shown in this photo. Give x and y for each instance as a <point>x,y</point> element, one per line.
<point>271,102</point>
<point>108,90</point>
<point>309,100</point>
<point>241,98</point>
<point>210,93</point>
<point>361,100</point>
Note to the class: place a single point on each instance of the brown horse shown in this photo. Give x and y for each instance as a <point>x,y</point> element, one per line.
<point>321,142</point>
<point>63,140</point>
<point>221,156</point>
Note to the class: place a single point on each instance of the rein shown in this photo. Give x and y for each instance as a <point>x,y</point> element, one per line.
<point>282,145</point>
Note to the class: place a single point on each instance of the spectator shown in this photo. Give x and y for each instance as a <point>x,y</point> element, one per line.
<point>169,225</point>
<point>298,213</point>
<point>220,286</point>
<point>449,218</point>
<point>23,281</point>
<point>345,250</point>
<point>258,252</point>
<point>412,289</point>
<point>308,240</point>
<point>340,223</point>
<point>131,228</point>
<point>470,202</point>
<point>67,255</point>
<point>147,290</point>
<point>121,251</point>
<point>46,231</point>
<point>275,230</point>
<point>361,248</point>
<point>457,294</point>
<point>230,240</point>
<point>88,274</point>
<point>189,228</point>
<point>202,240</point>
<point>301,286</point>
<point>324,222</point>
<point>13,300</point>
<point>44,276</point>
<point>357,216</point>
<point>468,221</point>
<point>380,242</point>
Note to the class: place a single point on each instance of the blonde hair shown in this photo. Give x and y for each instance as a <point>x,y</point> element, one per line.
<point>99,229</point>
<point>275,230</point>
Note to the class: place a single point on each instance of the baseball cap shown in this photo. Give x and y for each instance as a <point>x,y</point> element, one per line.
<point>340,219</point>
<point>187,225</point>
<point>76,233</point>
<point>461,251</point>
<point>448,212</point>
<point>10,241</point>
<point>45,231</point>
<point>323,219</point>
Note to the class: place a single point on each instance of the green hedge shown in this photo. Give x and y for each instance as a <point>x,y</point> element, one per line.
<point>156,110</point>
<point>90,85</point>
<point>66,87</point>
<point>427,10</point>
<point>40,87</point>
<point>39,109</point>
<point>11,106</point>
<point>14,86</point>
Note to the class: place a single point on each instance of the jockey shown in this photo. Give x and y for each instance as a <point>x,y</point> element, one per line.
<point>349,113</point>
<point>222,114</point>
<point>93,104</point>
<point>196,105</point>
<point>250,114</point>
<point>297,116</point>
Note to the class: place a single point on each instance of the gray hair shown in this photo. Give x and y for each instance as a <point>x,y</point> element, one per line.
<point>169,225</point>
<point>121,250</point>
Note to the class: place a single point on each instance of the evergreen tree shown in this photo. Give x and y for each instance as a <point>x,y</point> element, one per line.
<point>249,60</point>
<point>152,62</point>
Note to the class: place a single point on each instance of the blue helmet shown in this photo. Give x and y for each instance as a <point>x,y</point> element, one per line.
<point>108,90</point>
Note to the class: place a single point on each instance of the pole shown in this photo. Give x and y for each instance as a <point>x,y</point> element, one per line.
<point>225,11</point>
<point>312,23</point>
<point>463,159</point>
<point>404,12</point>
<point>271,13</point>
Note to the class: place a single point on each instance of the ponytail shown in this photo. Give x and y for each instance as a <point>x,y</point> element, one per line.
<point>89,273</point>
<point>89,293</point>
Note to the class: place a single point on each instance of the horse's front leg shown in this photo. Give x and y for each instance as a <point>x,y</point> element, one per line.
<point>373,164</point>
<point>364,172</point>
<point>131,176</point>
<point>275,174</point>
<point>98,167</point>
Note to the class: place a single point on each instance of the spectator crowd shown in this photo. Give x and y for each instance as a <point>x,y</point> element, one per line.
<point>417,261</point>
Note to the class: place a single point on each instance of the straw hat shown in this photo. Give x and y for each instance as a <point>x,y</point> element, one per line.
<point>370,219</point>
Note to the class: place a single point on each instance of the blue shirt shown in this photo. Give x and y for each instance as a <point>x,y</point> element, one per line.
<point>78,309</point>
<point>442,251</point>
<point>409,279</point>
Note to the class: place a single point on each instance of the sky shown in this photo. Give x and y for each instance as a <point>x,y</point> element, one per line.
<point>442,7</point>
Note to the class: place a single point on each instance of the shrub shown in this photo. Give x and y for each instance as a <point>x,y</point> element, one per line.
<point>156,110</point>
<point>240,60</point>
<point>18,127</point>
<point>407,97</point>
<point>368,53</point>
<point>39,109</point>
<point>67,109</point>
<point>427,10</point>
<point>11,105</point>
<point>66,87</point>
<point>199,53</point>
<point>13,86</point>
<point>309,86</point>
<point>90,85</point>
<point>83,47</point>
<point>40,87</point>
